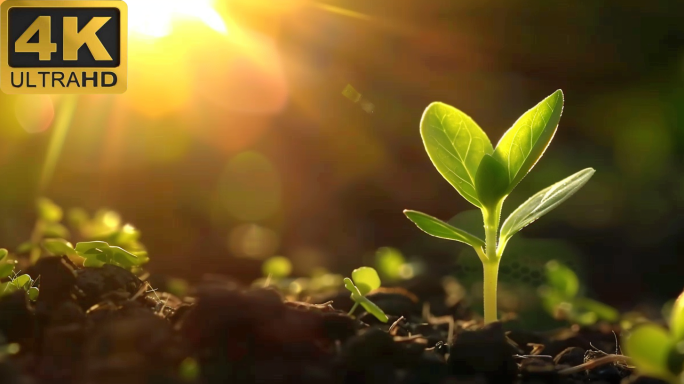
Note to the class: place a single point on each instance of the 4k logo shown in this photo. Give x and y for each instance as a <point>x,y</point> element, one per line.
<point>63,46</point>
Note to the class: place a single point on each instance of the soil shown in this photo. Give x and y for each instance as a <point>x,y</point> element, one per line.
<point>106,326</point>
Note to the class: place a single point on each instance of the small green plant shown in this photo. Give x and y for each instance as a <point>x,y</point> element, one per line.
<point>363,281</point>
<point>23,282</point>
<point>656,351</point>
<point>561,298</point>
<point>99,253</point>
<point>485,176</point>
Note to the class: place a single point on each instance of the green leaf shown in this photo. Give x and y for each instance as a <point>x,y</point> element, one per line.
<point>373,309</point>
<point>525,142</point>
<point>349,285</point>
<point>677,318</point>
<point>124,257</point>
<point>277,266</point>
<point>562,280</point>
<point>48,211</point>
<point>366,279</point>
<point>22,281</point>
<point>456,145</point>
<point>649,346</point>
<point>6,270</point>
<point>543,202</point>
<point>438,228</point>
<point>3,253</point>
<point>59,247</point>
<point>86,246</point>
<point>33,293</point>
<point>491,181</point>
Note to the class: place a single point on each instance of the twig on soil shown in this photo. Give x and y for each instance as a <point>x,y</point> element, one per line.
<point>536,348</point>
<point>533,356</point>
<point>432,320</point>
<point>395,326</point>
<point>142,290</point>
<point>401,339</point>
<point>608,359</point>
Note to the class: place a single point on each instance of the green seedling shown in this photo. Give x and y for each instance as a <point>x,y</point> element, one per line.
<point>23,282</point>
<point>485,176</point>
<point>561,298</point>
<point>47,225</point>
<point>99,253</point>
<point>656,351</point>
<point>363,281</point>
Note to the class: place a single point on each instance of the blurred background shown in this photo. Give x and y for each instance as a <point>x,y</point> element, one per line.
<point>254,128</point>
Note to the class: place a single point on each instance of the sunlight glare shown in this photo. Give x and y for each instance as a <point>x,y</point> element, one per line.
<point>155,18</point>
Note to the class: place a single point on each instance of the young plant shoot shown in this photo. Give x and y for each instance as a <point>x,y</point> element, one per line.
<point>656,351</point>
<point>363,281</point>
<point>485,176</point>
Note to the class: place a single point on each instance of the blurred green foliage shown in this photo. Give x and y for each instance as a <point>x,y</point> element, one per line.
<point>656,351</point>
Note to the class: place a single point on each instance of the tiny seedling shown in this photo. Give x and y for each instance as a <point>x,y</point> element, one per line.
<point>23,282</point>
<point>363,281</point>
<point>562,299</point>
<point>485,176</point>
<point>657,352</point>
<point>99,253</point>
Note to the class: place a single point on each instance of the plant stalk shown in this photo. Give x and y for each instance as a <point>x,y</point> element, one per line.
<point>491,264</point>
<point>353,308</point>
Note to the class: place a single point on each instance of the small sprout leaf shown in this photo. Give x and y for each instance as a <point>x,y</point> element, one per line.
<point>33,293</point>
<point>491,181</point>
<point>373,309</point>
<point>366,279</point>
<point>124,257</point>
<point>277,267</point>
<point>6,270</point>
<point>3,253</point>
<point>649,347</point>
<point>456,145</point>
<point>677,319</point>
<point>83,247</point>
<point>59,247</point>
<point>525,142</point>
<point>438,228</point>
<point>48,211</point>
<point>22,281</point>
<point>349,285</point>
<point>562,280</point>
<point>543,202</point>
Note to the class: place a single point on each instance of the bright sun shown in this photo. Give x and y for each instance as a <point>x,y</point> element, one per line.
<point>154,18</point>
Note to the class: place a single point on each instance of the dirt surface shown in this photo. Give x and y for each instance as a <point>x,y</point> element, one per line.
<point>106,326</point>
